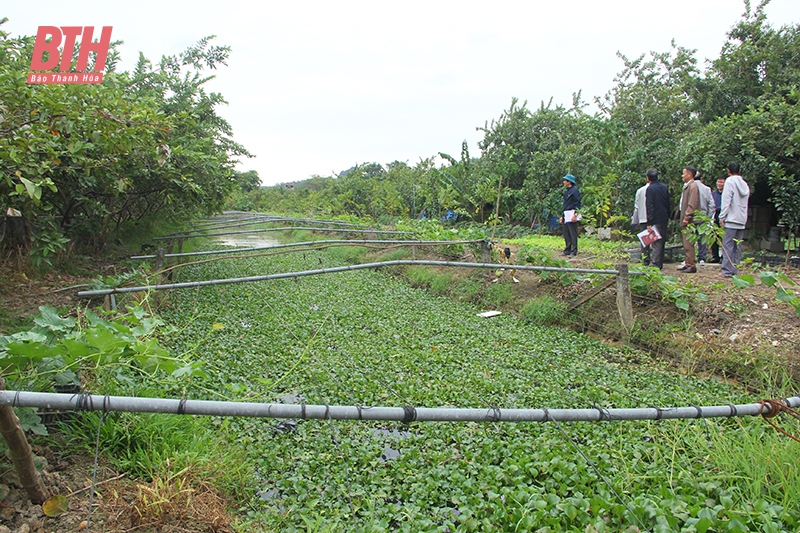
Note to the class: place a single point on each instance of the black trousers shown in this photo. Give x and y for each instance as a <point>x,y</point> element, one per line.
<point>570,231</point>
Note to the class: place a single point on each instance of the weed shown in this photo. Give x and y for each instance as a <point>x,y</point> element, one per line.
<point>419,276</point>
<point>543,310</point>
<point>497,294</point>
<point>347,254</point>
<point>155,446</point>
<point>396,254</point>
<point>179,500</point>
<point>467,289</point>
<point>763,461</point>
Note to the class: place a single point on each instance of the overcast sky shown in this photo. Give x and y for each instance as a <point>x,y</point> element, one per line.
<point>315,87</point>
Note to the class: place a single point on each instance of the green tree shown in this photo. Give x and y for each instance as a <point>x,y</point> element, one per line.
<point>247,181</point>
<point>82,160</point>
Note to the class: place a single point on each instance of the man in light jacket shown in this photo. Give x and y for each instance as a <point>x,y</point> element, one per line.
<point>733,217</point>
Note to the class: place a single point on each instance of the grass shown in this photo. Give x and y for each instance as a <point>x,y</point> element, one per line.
<point>543,310</point>
<point>586,245</point>
<point>159,446</point>
<point>497,294</point>
<point>11,323</point>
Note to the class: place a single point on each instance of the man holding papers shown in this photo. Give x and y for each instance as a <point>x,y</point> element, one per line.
<point>569,220</point>
<point>658,209</point>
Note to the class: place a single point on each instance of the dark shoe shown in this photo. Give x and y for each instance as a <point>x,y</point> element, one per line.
<point>714,260</point>
<point>564,253</point>
<point>688,270</point>
<point>573,255</point>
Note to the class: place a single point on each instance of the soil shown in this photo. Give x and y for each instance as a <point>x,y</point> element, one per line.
<point>118,504</point>
<point>735,320</point>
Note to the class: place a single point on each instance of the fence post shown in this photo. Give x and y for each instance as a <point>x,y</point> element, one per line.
<point>160,259</point>
<point>624,303</point>
<point>486,254</point>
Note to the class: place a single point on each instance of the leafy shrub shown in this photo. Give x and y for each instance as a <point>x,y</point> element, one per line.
<point>47,244</point>
<point>656,283</point>
<point>535,255</point>
<point>121,344</point>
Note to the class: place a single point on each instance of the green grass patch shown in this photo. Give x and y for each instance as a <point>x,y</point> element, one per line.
<point>467,289</point>
<point>347,254</point>
<point>149,446</point>
<point>396,254</point>
<point>544,310</point>
<point>497,294</point>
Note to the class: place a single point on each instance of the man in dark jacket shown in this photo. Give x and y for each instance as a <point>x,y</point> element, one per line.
<point>658,209</point>
<point>572,202</point>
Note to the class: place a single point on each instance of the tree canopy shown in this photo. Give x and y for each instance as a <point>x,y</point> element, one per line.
<point>80,161</point>
<point>663,112</point>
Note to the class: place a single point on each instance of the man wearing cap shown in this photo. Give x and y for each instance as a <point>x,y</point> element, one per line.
<point>572,202</point>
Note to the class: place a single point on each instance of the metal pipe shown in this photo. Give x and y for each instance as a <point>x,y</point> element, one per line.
<point>227,281</point>
<point>89,402</point>
<point>307,243</point>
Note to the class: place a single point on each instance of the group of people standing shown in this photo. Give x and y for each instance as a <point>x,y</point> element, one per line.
<point>727,205</point>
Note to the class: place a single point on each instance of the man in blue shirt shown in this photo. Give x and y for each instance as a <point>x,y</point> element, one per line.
<point>716,194</point>
<point>572,202</point>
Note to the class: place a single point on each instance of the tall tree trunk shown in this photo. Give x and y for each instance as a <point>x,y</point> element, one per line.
<point>19,451</point>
